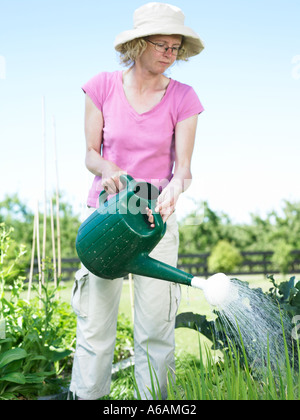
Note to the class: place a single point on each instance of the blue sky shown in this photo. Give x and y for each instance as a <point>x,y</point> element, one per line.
<point>247,149</point>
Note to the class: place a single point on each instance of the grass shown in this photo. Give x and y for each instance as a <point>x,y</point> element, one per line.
<point>230,379</point>
<point>200,374</point>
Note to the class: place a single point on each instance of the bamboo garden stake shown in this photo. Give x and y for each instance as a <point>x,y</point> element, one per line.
<point>32,258</point>
<point>57,203</point>
<point>130,277</point>
<point>53,244</point>
<point>39,252</point>
<point>45,192</point>
<point>36,231</point>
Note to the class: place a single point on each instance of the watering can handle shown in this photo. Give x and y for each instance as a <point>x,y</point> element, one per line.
<point>130,184</point>
<point>128,181</point>
<point>102,197</point>
<point>125,179</point>
<point>158,221</point>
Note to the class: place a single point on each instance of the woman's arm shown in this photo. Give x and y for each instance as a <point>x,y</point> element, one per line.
<point>94,162</point>
<point>185,133</point>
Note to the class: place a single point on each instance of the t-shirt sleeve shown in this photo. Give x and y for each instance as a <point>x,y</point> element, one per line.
<point>189,104</point>
<point>95,88</point>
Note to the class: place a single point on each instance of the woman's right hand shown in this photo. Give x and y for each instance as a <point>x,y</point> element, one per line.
<point>111,177</point>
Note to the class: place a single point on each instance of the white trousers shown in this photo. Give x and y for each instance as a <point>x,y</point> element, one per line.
<point>96,303</point>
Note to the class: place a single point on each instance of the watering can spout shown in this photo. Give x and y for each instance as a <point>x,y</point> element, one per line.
<point>216,288</point>
<point>144,265</point>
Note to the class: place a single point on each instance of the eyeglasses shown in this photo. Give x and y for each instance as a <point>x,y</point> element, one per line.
<point>162,48</point>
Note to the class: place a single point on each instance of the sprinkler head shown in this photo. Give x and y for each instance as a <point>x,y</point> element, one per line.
<point>216,288</point>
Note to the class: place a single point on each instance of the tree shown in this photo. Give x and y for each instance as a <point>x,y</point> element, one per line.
<point>261,234</point>
<point>203,236</point>
<point>17,215</point>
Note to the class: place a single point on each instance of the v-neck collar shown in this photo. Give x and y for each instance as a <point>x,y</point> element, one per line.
<point>130,107</point>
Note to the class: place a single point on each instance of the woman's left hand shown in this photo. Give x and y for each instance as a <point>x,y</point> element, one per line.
<point>166,203</point>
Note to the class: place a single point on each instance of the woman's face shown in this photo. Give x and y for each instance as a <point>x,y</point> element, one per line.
<point>155,61</point>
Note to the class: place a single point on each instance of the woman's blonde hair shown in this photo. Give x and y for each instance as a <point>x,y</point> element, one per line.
<point>130,51</point>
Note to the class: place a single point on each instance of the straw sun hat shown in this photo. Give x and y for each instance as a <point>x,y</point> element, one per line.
<point>161,19</point>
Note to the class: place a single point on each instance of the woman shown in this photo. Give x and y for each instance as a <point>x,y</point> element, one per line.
<point>138,122</point>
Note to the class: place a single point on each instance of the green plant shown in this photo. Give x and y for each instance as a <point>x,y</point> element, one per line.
<point>124,339</point>
<point>287,294</point>
<point>14,378</point>
<point>230,378</point>
<point>282,257</point>
<point>34,347</point>
<point>224,257</point>
<point>8,268</point>
<point>45,349</point>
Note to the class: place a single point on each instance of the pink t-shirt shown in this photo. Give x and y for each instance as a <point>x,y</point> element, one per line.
<point>140,144</point>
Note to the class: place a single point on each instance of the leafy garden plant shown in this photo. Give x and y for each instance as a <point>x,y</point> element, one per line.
<point>34,341</point>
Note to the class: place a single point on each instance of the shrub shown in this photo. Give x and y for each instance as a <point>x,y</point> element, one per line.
<point>224,257</point>
<point>282,257</point>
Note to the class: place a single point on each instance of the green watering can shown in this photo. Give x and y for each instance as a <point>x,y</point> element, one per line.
<point>117,239</point>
